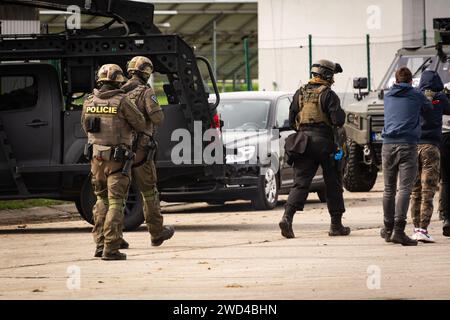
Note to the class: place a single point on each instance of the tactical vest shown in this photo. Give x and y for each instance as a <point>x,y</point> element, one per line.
<point>310,107</point>
<point>136,96</point>
<point>113,129</point>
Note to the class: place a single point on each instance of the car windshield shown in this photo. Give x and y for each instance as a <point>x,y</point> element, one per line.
<point>244,114</point>
<point>417,65</point>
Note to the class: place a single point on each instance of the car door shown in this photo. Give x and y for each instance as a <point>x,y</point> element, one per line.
<point>26,111</point>
<point>282,121</point>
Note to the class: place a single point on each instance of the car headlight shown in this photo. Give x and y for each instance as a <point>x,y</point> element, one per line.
<point>243,154</point>
<point>354,120</point>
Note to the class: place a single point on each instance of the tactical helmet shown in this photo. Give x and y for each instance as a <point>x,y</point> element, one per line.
<point>325,69</point>
<point>141,64</point>
<point>110,73</point>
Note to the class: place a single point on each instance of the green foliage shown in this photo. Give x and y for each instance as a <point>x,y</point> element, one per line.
<point>21,204</point>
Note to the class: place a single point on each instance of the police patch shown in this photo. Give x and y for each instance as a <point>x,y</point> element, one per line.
<point>154,98</point>
<point>101,110</point>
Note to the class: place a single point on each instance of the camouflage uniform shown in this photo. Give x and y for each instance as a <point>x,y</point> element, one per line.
<point>144,171</point>
<point>426,185</point>
<point>116,116</point>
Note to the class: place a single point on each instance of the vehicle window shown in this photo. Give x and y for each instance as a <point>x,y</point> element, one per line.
<point>17,92</point>
<point>282,119</point>
<point>244,114</point>
<point>417,65</point>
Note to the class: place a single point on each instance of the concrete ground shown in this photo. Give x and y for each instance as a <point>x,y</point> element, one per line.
<point>226,252</point>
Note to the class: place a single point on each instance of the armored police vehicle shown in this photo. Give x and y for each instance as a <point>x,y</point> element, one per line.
<point>44,78</point>
<point>365,117</point>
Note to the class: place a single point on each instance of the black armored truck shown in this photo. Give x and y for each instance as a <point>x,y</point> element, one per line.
<point>43,78</point>
<point>365,117</point>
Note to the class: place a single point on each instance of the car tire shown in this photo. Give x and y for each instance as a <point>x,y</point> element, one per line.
<point>268,189</point>
<point>134,216</point>
<point>322,194</point>
<point>358,177</point>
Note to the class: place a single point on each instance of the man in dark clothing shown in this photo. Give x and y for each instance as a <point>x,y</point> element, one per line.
<point>402,108</point>
<point>445,175</point>
<point>314,111</point>
<point>429,155</point>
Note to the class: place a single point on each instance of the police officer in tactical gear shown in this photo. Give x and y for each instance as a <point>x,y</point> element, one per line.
<point>109,119</point>
<point>315,112</point>
<point>144,173</point>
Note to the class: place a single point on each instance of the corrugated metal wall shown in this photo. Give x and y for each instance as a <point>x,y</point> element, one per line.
<point>19,20</point>
<point>19,26</point>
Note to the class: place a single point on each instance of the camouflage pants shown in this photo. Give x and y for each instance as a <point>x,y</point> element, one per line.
<point>111,188</point>
<point>145,178</point>
<point>426,185</point>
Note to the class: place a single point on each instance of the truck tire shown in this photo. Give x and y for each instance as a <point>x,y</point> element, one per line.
<point>358,177</point>
<point>268,189</point>
<point>134,216</point>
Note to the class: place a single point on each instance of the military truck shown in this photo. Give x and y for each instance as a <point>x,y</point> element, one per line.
<point>43,79</point>
<point>365,117</point>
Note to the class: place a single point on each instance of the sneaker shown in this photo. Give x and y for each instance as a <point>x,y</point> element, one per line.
<point>415,235</point>
<point>424,236</point>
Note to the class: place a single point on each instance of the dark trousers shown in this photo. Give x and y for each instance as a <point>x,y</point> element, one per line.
<point>445,176</point>
<point>399,164</point>
<point>319,151</point>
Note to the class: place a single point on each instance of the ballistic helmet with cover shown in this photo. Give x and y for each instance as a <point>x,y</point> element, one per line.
<point>325,69</point>
<point>141,64</point>
<point>110,73</point>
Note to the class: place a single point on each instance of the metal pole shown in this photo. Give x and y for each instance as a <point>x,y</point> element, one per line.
<point>310,53</point>
<point>247,65</point>
<point>424,24</point>
<point>214,53</point>
<point>369,82</point>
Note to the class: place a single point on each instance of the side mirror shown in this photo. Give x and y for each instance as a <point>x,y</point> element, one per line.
<point>360,83</point>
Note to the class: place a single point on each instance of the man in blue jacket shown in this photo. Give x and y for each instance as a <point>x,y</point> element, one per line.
<point>429,155</point>
<point>402,108</point>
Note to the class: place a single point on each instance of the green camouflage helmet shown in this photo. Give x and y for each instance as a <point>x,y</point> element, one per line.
<point>142,64</point>
<point>110,73</point>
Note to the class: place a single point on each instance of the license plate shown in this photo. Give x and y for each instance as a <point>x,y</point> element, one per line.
<point>377,137</point>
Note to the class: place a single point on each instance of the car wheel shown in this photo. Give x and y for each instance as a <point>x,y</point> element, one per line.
<point>268,189</point>
<point>134,216</point>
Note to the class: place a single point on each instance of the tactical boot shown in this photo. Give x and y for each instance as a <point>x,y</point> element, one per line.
<point>446,228</point>
<point>124,244</point>
<point>114,256</point>
<point>386,232</point>
<point>286,223</point>
<point>399,236</point>
<point>98,252</point>
<point>166,234</point>
<point>336,227</point>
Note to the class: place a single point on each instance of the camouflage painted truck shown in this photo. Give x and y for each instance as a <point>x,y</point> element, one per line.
<point>365,117</point>
<point>44,78</point>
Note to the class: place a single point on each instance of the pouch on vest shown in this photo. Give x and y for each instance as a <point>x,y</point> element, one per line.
<point>100,152</point>
<point>88,151</point>
<point>93,125</point>
<point>295,145</point>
